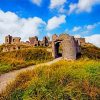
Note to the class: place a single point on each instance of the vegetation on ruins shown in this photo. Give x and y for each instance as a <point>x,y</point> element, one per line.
<point>65,80</point>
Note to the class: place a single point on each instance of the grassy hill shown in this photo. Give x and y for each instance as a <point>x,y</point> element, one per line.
<point>29,56</point>
<point>22,58</point>
<point>90,52</point>
<point>65,80</point>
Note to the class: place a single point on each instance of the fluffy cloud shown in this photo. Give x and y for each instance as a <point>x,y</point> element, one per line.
<point>72,8</point>
<point>84,29</point>
<point>92,26</point>
<point>94,39</point>
<point>76,28</point>
<point>55,22</point>
<point>56,3</point>
<point>37,2</point>
<point>10,23</point>
<point>86,5</point>
<point>83,6</point>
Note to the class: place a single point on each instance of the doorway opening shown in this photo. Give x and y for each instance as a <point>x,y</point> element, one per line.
<point>58,47</point>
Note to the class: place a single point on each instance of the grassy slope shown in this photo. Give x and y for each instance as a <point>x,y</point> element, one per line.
<point>23,58</point>
<point>90,52</point>
<point>75,80</point>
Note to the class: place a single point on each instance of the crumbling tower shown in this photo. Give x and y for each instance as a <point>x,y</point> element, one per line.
<point>69,47</point>
<point>45,41</point>
<point>8,39</point>
<point>12,40</point>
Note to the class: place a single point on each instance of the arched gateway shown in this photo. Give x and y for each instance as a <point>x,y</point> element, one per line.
<point>69,46</point>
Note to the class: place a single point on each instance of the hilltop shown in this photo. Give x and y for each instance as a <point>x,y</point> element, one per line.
<point>66,79</point>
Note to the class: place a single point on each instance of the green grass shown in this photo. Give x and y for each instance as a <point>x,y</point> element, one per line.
<point>65,80</point>
<point>22,58</point>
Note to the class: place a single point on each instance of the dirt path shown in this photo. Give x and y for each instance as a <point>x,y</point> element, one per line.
<point>11,76</point>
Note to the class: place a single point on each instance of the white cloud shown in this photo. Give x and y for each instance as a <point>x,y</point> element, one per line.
<point>55,22</point>
<point>86,29</point>
<point>92,26</point>
<point>75,29</point>
<point>72,8</point>
<point>83,6</point>
<point>86,5</point>
<point>62,10</point>
<point>10,23</point>
<point>56,3</point>
<point>37,2</point>
<point>94,39</point>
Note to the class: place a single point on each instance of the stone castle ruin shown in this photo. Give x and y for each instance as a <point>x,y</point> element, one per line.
<point>13,43</point>
<point>35,42</point>
<point>63,45</point>
<point>12,40</point>
<point>66,46</point>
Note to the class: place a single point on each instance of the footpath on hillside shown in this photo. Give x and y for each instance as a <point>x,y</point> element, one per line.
<point>6,78</point>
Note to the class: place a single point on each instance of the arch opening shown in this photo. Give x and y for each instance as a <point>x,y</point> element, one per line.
<point>58,47</point>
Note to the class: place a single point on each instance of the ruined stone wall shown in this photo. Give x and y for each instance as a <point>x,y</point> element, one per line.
<point>45,41</point>
<point>34,41</point>
<point>8,39</point>
<point>81,41</point>
<point>16,40</point>
<point>12,40</point>
<point>70,47</point>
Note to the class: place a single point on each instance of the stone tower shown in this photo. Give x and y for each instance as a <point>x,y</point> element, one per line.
<point>8,39</point>
<point>45,41</point>
<point>69,46</point>
<point>12,40</point>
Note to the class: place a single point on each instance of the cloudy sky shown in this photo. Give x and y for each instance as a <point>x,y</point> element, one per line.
<point>26,18</point>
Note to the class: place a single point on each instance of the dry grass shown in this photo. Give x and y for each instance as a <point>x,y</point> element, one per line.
<point>75,80</point>
<point>22,58</point>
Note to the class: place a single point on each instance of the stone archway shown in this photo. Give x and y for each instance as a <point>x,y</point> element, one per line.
<point>69,46</point>
<point>58,49</point>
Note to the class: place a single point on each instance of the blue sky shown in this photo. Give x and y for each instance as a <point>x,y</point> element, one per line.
<point>28,18</point>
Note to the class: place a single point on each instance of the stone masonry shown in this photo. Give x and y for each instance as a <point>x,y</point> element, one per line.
<point>70,46</point>
<point>63,45</point>
<point>35,42</point>
<point>12,40</point>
